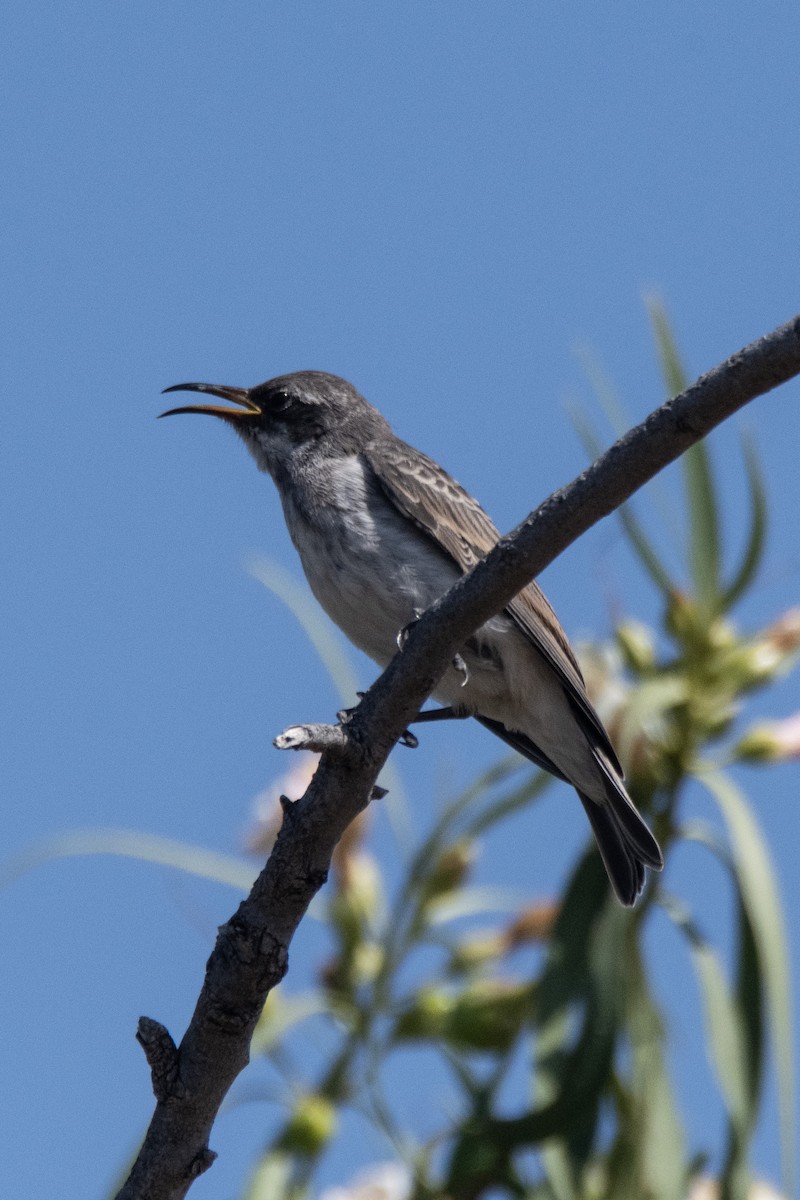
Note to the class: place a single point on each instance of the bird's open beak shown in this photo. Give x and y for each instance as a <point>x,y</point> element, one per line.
<point>240,396</point>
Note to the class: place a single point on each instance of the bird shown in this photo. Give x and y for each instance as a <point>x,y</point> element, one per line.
<point>382,531</point>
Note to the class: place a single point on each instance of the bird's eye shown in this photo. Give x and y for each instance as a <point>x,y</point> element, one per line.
<point>283,403</point>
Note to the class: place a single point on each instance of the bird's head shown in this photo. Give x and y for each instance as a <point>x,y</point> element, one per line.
<point>278,417</point>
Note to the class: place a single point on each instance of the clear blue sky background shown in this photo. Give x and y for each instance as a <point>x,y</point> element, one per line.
<point>438,201</point>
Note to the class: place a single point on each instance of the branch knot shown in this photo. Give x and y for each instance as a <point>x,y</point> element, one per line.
<point>162,1057</point>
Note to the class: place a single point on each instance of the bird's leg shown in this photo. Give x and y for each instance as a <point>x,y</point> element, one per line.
<point>424,717</point>
<point>448,713</point>
<point>458,662</point>
<point>406,738</point>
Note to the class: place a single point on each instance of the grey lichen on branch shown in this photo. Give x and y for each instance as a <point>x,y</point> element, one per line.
<point>317,738</point>
<point>251,954</point>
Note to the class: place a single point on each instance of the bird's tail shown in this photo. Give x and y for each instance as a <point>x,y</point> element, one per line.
<point>626,844</point>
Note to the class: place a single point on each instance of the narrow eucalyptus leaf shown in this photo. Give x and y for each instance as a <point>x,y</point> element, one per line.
<point>644,551</point>
<point>671,366</point>
<point>650,1158</point>
<point>698,477</point>
<point>703,525</point>
<point>754,546</point>
<point>757,886</point>
<point>723,1020</point>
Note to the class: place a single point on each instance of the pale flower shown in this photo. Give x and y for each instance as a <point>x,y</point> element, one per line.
<point>786,736</point>
<point>775,648</point>
<point>266,807</point>
<point>771,741</point>
<point>381,1181</point>
<point>706,1188</point>
<point>785,632</point>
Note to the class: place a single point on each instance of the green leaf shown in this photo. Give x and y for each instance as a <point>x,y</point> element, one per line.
<point>464,816</point>
<point>648,1158</point>
<point>726,1038</point>
<point>698,476</point>
<point>706,835</point>
<point>634,531</point>
<point>309,616</point>
<point>281,1013</point>
<point>329,646</point>
<point>663,1148</point>
<point>556,1165</point>
<point>271,1179</point>
<point>469,901</point>
<point>754,547</point>
<point>587,436</point>
<point>577,1013</point>
<point>750,1000</point>
<point>589,941</point>
<point>607,398</point>
<point>647,708</point>
<point>147,847</point>
<point>510,802</point>
<point>703,527</point>
<point>644,550</point>
<point>468,811</point>
<point>581,980</point>
<point>750,996</point>
<point>671,365</point>
<point>757,888</point>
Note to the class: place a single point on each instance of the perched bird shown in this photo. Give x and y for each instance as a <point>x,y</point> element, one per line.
<point>382,531</point>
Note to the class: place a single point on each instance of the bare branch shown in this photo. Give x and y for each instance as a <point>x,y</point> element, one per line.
<point>251,954</point>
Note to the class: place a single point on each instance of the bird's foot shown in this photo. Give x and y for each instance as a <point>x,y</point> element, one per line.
<point>458,662</point>
<point>407,738</point>
<point>460,666</point>
<point>344,714</point>
<point>402,636</point>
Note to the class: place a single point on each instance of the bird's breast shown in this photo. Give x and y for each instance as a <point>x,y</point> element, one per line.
<point>369,566</point>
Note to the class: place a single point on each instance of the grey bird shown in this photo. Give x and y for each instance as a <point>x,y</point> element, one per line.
<point>382,531</point>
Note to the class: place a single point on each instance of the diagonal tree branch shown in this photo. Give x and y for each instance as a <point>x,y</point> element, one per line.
<point>251,953</point>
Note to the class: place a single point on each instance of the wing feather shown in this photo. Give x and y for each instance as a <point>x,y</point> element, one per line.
<point>421,490</point>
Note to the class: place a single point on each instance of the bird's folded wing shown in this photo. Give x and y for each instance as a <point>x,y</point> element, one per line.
<point>422,491</point>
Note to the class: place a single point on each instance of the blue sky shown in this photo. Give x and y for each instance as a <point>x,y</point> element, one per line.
<point>440,202</point>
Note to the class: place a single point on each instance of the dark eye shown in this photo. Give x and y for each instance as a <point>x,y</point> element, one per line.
<point>287,405</point>
<point>282,403</point>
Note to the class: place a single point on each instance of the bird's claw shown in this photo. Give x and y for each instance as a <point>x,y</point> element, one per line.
<point>344,714</point>
<point>402,636</point>
<point>460,666</point>
<point>407,738</point>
